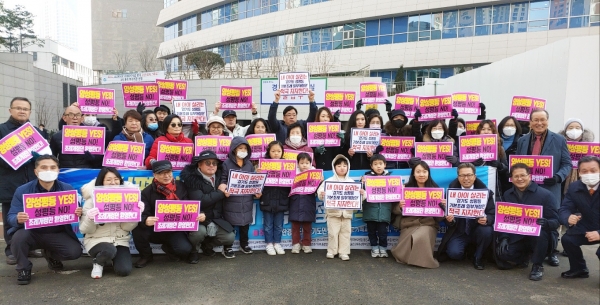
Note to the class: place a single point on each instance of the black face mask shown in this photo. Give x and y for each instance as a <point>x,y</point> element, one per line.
<point>399,123</point>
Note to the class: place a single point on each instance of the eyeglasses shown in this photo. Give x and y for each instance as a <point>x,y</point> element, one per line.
<point>73,115</point>
<point>21,109</point>
<point>176,125</point>
<point>211,163</point>
<point>539,121</point>
<point>519,177</point>
<point>466,176</point>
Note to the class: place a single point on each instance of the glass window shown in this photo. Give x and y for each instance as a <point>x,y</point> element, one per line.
<point>348,26</point>
<point>315,36</point>
<point>338,33</point>
<point>315,48</point>
<point>483,15</point>
<point>466,17</point>
<point>347,44</point>
<point>386,26</point>
<point>499,28</point>
<point>580,7</point>
<point>519,27</point>
<point>559,8</point>
<point>436,34</point>
<point>338,44</point>
<point>425,22</point>
<point>413,23</point>
<point>465,32</point>
<point>578,22</point>
<point>400,38</point>
<point>372,41</point>
<point>372,28</point>
<point>501,13</point>
<point>535,26</point>
<point>387,39</point>
<point>539,10</point>
<point>482,30</point>
<point>326,34</point>
<point>450,19</point>
<point>359,30</point>
<point>448,33</point>
<point>519,11</point>
<point>413,36</point>
<point>436,21</point>
<point>401,24</point>
<point>556,24</point>
<point>326,46</point>
<point>425,35</point>
<point>359,42</point>
<point>446,72</point>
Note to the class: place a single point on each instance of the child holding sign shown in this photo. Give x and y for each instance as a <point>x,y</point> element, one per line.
<point>273,203</point>
<point>302,211</point>
<point>377,216</point>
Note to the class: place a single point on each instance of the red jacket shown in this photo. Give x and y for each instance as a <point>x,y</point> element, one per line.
<point>154,149</point>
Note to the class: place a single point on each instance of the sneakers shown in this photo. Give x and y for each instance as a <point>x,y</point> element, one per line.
<point>193,257</point>
<point>97,271</point>
<point>11,260</point>
<point>374,251</point>
<point>279,249</point>
<point>537,272</point>
<point>35,253</point>
<point>246,249</point>
<point>271,250</point>
<point>344,257</point>
<point>228,253</point>
<point>330,255</point>
<point>307,249</point>
<point>52,263</point>
<point>296,248</point>
<point>23,277</point>
<point>383,252</point>
<point>207,250</point>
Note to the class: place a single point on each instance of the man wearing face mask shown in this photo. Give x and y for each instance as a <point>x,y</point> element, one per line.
<point>59,242</point>
<point>580,211</point>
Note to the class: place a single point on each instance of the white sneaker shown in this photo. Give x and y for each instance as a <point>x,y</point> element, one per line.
<point>271,250</point>
<point>344,257</point>
<point>307,249</point>
<point>279,249</point>
<point>375,251</point>
<point>330,255</point>
<point>97,271</point>
<point>383,252</point>
<point>296,248</point>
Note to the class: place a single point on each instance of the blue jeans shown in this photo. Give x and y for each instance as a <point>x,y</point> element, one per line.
<point>273,224</point>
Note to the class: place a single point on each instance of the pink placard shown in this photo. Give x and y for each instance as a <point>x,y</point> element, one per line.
<point>435,107</point>
<point>218,144</point>
<point>76,140</point>
<point>342,195</point>
<point>118,204</point>
<point>541,166</point>
<point>373,93</point>
<point>383,188</point>
<point>407,103</point>
<point>397,148</point>
<point>434,154</point>
<point>124,154</point>
<point>259,143</point>
<point>236,98</point>
<point>279,172</point>
<point>521,106</point>
<point>50,209</point>
<point>423,202</point>
<point>483,146</point>
<point>518,218</point>
<point>171,89</point>
<point>16,147</point>
<point>324,134</point>
<point>471,126</point>
<point>307,182</point>
<point>290,154</point>
<point>365,139</point>
<point>176,215</point>
<point>466,103</point>
<point>578,150</point>
<point>135,93</point>
<point>340,100</point>
<point>96,100</point>
<point>180,154</point>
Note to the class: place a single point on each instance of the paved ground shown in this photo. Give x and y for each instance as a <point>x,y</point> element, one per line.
<point>299,279</point>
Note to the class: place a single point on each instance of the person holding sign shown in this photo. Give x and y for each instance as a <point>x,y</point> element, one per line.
<point>513,249</point>
<point>461,231</point>
<point>510,132</point>
<point>501,163</point>
<point>289,116</point>
<point>296,139</point>
<point>323,156</point>
<point>302,210</point>
<point>457,126</point>
<point>574,132</point>
<point>258,126</point>
<point>417,233</point>
<point>438,132</point>
<point>233,128</point>
<point>106,242</point>
<point>216,127</point>
<point>58,241</point>
<point>172,128</point>
<point>357,161</point>
<point>398,126</point>
<point>133,132</point>
<point>378,215</point>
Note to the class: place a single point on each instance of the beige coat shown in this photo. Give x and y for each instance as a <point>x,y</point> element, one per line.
<point>332,212</point>
<point>113,233</point>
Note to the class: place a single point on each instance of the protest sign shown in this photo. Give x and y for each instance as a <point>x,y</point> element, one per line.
<point>307,182</point>
<point>96,100</point>
<point>466,203</point>
<point>373,93</point>
<point>279,172</point>
<point>365,139</point>
<point>170,89</point>
<point>518,218</point>
<point>117,204</point>
<point>522,105</point>
<point>218,144</point>
<point>50,209</point>
<point>135,93</point>
<point>342,195</point>
<point>340,100</point>
<point>291,154</point>
<point>294,83</point>
<point>383,188</point>
<point>245,183</point>
<point>76,140</point>
<point>407,103</point>
<point>176,215</point>
<point>324,134</point>
<point>180,154</point>
<point>466,103</point>
<point>471,126</point>
<point>259,143</point>
<point>150,76</point>
<point>423,202</point>
<point>541,166</point>
<point>236,98</point>
<point>190,110</point>
<point>577,150</point>
<point>483,146</point>
<point>124,154</point>
<point>435,107</point>
<point>434,154</point>
<point>16,147</point>
<point>268,86</point>
<point>397,148</point>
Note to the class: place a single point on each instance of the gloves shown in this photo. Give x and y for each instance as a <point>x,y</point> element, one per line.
<point>478,162</point>
<point>340,135</point>
<point>413,161</point>
<point>454,113</point>
<point>35,156</point>
<point>378,149</point>
<point>140,107</point>
<point>417,114</point>
<point>141,205</point>
<point>336,116</point>
<point>195,128</point>
<point>388,106</point>
<point>91,213</point>
<point>152,161</point>
<point>502,247</point>
<point>494,163</point>
<point>451,159</point>
<point>412,151</point>
<point>482,107</point>
<point>552,181</point>
<point>320,149</point>
<point>358,104</point>
<point>542,222</point>
<point>88,156</point>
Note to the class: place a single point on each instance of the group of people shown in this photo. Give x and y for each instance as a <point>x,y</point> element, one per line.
<point>222,215</point>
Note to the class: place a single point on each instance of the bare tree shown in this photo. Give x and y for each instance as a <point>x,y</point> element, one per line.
<point>236,65</point>
<point>310,63</point>
<point>290,59</point>
<point>255,65</point>
<point>147,58</point>
<point>274,62</point>
<point>122,60</point>
<point>182,48</point>
<point>324,62</point>
<point>42,111</point>
<point>164,66</point>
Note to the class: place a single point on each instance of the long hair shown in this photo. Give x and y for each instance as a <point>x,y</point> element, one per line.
<point>435,123</point>
<point>371,117</point>
<point>250,129</point>
<point>412,182</point>
<point>352,124</point>
<point>319,114</point>
<point>273,143</point>
<point>104,171</point>
<point>501,153</point>
<point>143,122</point>
<point>519,131</point>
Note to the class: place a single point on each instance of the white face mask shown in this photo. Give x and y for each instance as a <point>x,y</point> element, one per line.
<point>509,131</point>
<point>242,154</point>
<point>460,131</point>
<point>437,134</point>
<point>375,126</point>
<point>89,120</point>
<point>590,179</point>
<point>574,133</point>
<point>295,139</point>
<point>48,176</point>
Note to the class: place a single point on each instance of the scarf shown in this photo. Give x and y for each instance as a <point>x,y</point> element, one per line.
<point>15,122</point>
<point>167,190</point>
<point>295,146</point>
<point>508,141</point>
<point>177,139</point>
<point>134,137</point>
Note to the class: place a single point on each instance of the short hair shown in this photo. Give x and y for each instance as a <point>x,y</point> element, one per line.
<point>303,156</point>
<point>587,159</point>
<point>466,165</point>
<point>339,161</point>
<point>534,110</point>
<point>377,157</point>
<point>18,98</point>
<point>288,109</point>
<point>132,114</point>
<point>46,157</point>
<point>103,172</point>
<point>295,125</point>
<point>434,123</point>
<point>42,125</point>
<point>520,165</point>
<point>167,121</point>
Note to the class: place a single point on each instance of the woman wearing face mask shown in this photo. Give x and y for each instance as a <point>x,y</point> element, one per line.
<point>324,155</point>
<point>172,128</point>
<point>398,126</point>
<point>258,126</point>
<point>132,131</point>
<point>574,132</point>
<point>510,132</point>
<point>296,140</point>
<point>150,124</point>
<point>437,131</point>
<point>501,163</point>
<point>457,126</point>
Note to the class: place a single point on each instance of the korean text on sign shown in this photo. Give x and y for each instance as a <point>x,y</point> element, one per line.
<point>50,209</point>
<point>279,172</point>
<point>190,110</point>
<point>373,93</point>
<point>117,204</point>
<point>541,166</point>
<point>236,98</point>
<point>16,147</point>
<point>245,183</point>
<point>383,188</point>
<point>466,102</point>
<point>169,89</point>
<point>135,93</point>
<point>522,105</point>
<point>124,154</point>
<point>259,143</point>
<point>294,83</point>
<point>466,203</point>
<point>577,150</point>
<point>423,202</point>
<point>434,154</point>
<point>483,146</point>
<point>340,100</point>
<point>407,103</point>
<point>435,107</point>
<point>518,218</point>
<point>96,100</point>
<point>365,139</point>
<point>218,144</point>
<point>176,215</point>
<point>307,182</point>
<point>342,195</point>
<point>397,148</point>
<point>180,154</point>
<point>76,140</point>
<point>323,134</point>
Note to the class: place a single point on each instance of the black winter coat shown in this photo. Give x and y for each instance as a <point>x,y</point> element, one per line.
<point>71,160</point>
<point>275,199</point>
<point>150,195</point>
<point>11,179</point>
<point>303,208</point>
<point>237,210</point>
<point>579,200</point>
